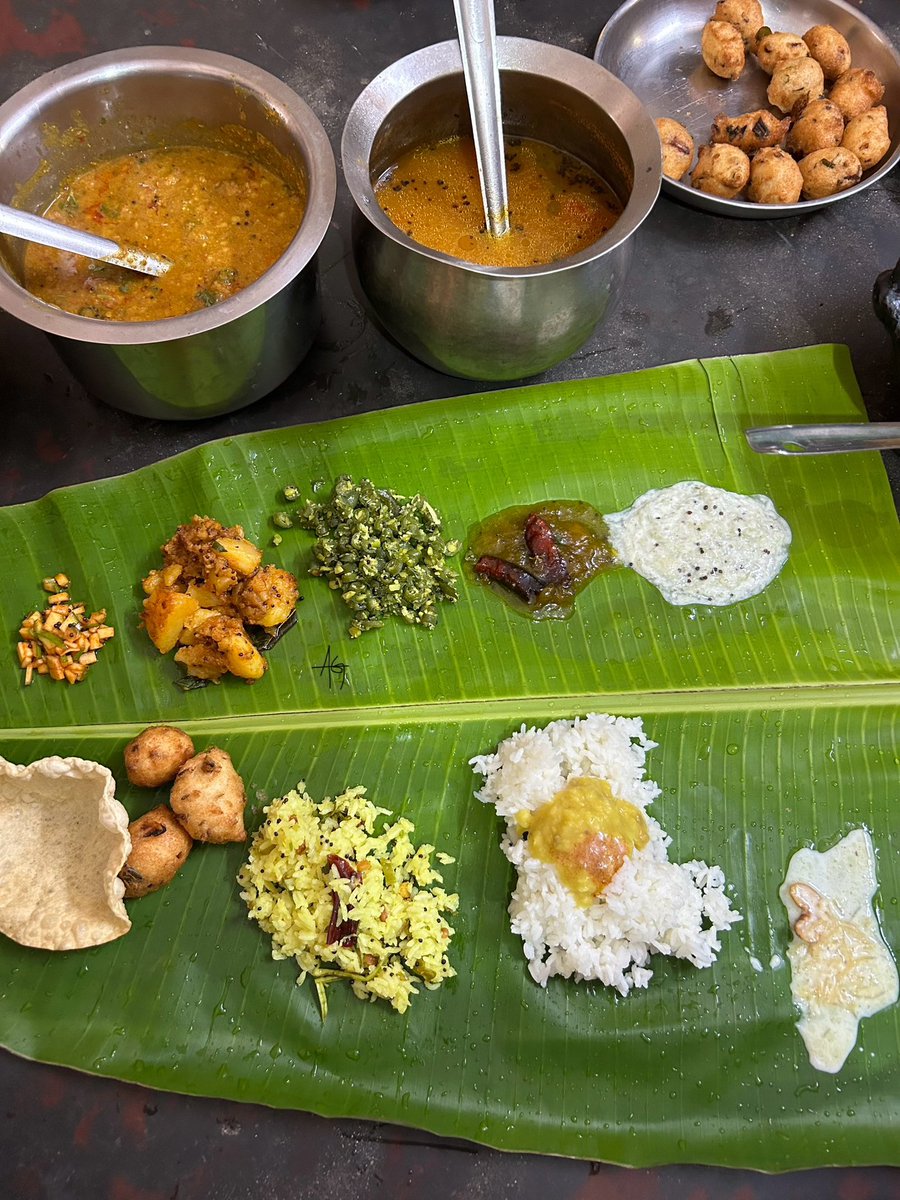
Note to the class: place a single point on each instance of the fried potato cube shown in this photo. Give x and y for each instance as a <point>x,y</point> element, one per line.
<point>208,798</point>
<point>217,645</point>
<point>267,598</point>
<point>164,616</point>
<point>160,846</point>
<point>155,756</point>
<point>722,48</point>
<point>239,553</point>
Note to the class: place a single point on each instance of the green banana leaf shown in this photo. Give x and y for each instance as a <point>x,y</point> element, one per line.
<point>776,722</point>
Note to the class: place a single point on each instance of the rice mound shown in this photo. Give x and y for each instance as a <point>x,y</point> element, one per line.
<point>288,883</point>
<point>652,906</point>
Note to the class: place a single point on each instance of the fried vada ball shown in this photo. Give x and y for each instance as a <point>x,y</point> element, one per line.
<point>745,15</point>
<point>868,137</point>
<point>774,177</point>
<point>773,49</point>
<point>208,798</point>
<point>160,846</point>
<point>156,756</point>
<point>677,147</point>
<point>721,170</point>
<point>722,48</point>
<point>796,82</point>
<point>819,126</point>
<point>829,48</point>
<point>856,91</point>
<point>826,172</point>
<point>750,131</point>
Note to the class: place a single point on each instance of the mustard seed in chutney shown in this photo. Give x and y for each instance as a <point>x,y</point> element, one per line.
<point>538,557</point>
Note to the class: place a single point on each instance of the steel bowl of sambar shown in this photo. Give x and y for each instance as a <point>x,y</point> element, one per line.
<point>164,143</point>
<point>488,319</point>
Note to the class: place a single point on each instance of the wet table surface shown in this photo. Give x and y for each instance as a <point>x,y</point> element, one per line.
<point>699,285</point>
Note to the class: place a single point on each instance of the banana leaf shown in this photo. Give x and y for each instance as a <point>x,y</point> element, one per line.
<point>776,722</point>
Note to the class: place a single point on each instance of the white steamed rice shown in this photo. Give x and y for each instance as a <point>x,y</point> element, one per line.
<point>652,906</point>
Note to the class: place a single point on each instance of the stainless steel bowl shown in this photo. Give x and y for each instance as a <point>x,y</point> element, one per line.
<point>486,322</point>
<point>654,47</point>
<point>207,362</point>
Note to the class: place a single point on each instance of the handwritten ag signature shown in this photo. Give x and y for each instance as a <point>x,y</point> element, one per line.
<point>334,669</point>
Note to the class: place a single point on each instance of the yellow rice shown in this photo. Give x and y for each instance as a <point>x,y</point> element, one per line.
<point>402,937</point>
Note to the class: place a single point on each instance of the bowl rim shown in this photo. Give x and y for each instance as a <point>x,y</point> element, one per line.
<point>520,55</point>
<point>301,122</point>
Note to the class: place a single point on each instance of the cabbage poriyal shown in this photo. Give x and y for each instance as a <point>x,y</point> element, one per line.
<point>348,902</point>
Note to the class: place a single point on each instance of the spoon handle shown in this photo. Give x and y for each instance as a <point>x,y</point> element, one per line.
<point>478,45</point>
<point>824,439</point>
<point>50,233</point>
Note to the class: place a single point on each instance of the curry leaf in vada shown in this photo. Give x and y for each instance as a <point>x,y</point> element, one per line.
<point>750,131</point>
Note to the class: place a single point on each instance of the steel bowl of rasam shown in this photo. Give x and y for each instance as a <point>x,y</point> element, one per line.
<point>199,158</point>
<point>583,171</point>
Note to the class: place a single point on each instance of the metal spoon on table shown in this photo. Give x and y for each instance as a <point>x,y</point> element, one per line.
<point>478,45</point>
<point>824,439</point>
<point>61,237</point>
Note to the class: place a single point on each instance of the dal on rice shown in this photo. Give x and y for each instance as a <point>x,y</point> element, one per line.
<point>348,902</point>
<point>649,906</point>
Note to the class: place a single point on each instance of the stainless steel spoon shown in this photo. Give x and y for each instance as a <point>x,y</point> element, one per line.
<point>61,237</point>
<point>478,45</point>
<point>824,439</point>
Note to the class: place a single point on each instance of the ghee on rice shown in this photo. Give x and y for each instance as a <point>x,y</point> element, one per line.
<point>289,882</point>
<point>651,906</point>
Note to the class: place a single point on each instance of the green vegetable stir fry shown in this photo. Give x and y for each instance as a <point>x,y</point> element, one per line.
<point>385,553</point>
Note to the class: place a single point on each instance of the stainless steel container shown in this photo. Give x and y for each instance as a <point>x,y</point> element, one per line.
<point>207,362</point>
<point>486,322</point>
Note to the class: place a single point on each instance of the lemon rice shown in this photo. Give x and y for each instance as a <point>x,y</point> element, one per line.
<point>348,902</point>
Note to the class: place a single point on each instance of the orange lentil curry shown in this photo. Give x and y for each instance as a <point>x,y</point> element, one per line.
<point>221,218</point>
<point>558,205</point>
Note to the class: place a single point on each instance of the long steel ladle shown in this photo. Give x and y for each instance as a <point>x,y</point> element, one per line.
<point>61,237</point>
<point>478,45</point>
<point>824,439</point>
